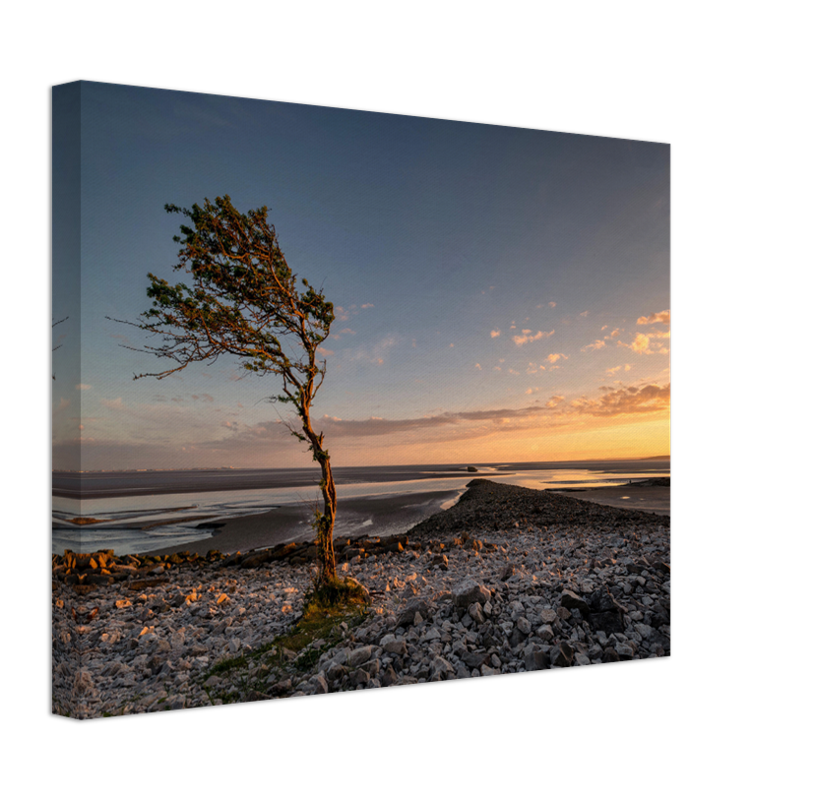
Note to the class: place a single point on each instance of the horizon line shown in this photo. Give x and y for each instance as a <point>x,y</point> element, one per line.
<point>463,464</point>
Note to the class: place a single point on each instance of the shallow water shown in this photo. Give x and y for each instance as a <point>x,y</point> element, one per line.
<point>137,523</point>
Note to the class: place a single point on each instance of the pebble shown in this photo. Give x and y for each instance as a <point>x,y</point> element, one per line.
<point>525,598</point>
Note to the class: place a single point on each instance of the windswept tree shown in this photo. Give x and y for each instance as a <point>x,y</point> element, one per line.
<point>243,300</point>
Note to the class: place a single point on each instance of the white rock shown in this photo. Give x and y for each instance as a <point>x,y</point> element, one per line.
<point>192,647</point>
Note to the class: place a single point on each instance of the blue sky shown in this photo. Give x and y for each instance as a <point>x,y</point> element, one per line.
<point>502,294</point>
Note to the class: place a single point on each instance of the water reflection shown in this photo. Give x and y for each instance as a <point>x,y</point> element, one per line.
<point>140,523</point>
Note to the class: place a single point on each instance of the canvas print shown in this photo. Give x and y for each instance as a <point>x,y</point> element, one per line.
<point>347,400</point>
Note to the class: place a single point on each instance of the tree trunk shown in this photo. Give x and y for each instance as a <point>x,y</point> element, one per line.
<point>325,526</point>
<point>326,561</point>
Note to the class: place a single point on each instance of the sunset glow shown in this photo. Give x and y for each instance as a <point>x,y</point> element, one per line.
<point>500,294</point>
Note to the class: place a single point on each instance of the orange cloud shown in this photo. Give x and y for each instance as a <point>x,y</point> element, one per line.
<point>642,345</point>
<point>527,336</point>
<point>660,316</point>
<point>630,400</point>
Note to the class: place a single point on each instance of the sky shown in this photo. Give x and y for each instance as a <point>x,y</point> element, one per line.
<point>502,294</point>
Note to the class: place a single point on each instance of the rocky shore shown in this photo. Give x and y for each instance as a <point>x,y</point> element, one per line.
<point>508,580</point>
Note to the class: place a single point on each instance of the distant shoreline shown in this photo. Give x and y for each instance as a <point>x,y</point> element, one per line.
<point>141,483</point>
<point>457,467</point>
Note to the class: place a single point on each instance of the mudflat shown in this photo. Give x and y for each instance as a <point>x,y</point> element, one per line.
<point>652,495</point>
<point>394,514</point>
<point>377,516</point>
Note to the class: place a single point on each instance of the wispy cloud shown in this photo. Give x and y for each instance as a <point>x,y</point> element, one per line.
<point>527,336</point>
<point>495,334</point>
<point>552,358</point>
<point>595,345</point>
<point>615,370</point>
<point>83,387</point>
<point>377,354</point>
<point>116,404</point>
<point>161,398</point>
<point>343,314</point>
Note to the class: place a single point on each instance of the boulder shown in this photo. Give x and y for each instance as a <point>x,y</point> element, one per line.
<point>394,645</point>
<point>408,614</point>
<point>441,668</point>
<point>476,613</point>
<point>473,660</point>
<point>562,655</point>
<point>468,592</point>
<point>440,561</point>
<point>360,655</point>
<point>571,600</point>
<point>535,657</point>
<point>605,613</point>
<point>256,559</point>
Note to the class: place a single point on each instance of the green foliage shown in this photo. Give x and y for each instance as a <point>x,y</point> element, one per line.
<point>239,297</point>
<point>293,654</point>
<point>328,596</point>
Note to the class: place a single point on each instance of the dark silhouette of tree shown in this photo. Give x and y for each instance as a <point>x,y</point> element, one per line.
<point>243,300</point>
<point>54,349</point>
